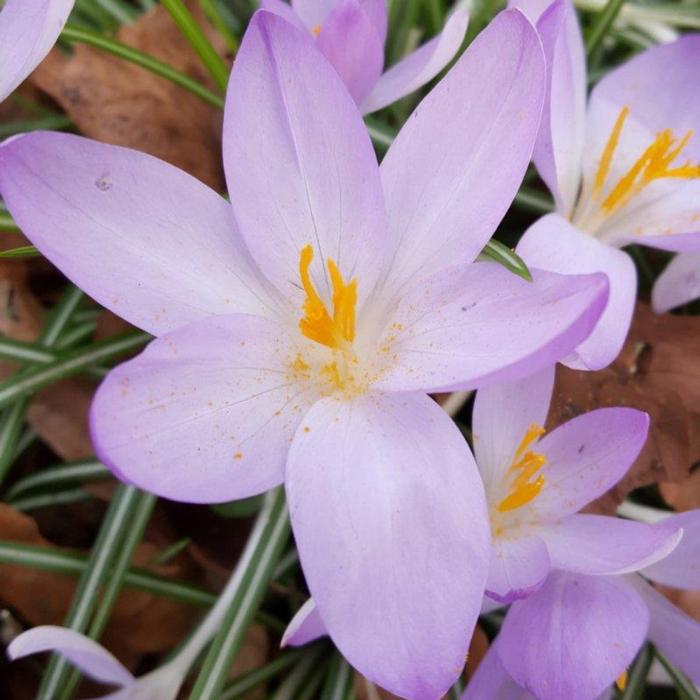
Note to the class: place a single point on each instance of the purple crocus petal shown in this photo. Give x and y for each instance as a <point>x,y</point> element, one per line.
<point>142,237</point>
<point>661,86</point>
<point>377,12</point>
<point>519,566</point>
<point>420,66</point>
<point>675,634</point>
<point>492,682</point>
<point>581,633</point>
<point>596,544</point>
<point>681,568</point>
<point>665,216</point>
<point>305,626</point>
<point>678,284</point>
<point>552,243</point>
<point>284,10</point>
<point>453,170</point>
<point>501,417</point>
<point>390,520</point>
<point>89,656</point>
<point>497,326</point>
<point>206,413</point>
<point>351,44</point>
<point>299,162</point>
<point>559,150</point>
<point>585,457</point>
<point>313,12</point>
<point>28,30</point>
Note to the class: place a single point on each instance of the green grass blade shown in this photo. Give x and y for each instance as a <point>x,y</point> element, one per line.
<point>602,25</point>
<point>103,553</point>
<point>195,36</point>
<point>685,687</point>
<point>75,563</point>
<point>140,514</point>
<point>253,574</point>
<point>495,251</point>
<point>25,384</point>
<point>339,684</point>
<point>637,677</point>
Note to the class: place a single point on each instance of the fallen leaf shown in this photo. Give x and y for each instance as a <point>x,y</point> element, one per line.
<point>117,102</point>
<point>657,372</point>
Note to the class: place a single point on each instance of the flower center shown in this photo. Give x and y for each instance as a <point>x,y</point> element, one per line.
<point>525,465</point>
<point>316,30</point>
<point>655,163</point>
<point>337,331</point>
<point>341,371</point>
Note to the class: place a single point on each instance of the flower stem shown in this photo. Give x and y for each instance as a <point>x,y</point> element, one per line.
<point>239,602</point>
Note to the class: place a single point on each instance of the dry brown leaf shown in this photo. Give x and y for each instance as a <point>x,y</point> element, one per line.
<point>657,372</point>
<point>117,102</point>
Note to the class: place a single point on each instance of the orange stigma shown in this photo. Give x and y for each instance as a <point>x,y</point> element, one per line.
<point>655,163</point>
<point>316,30</point>
<point>338,330</point>
<point>524,467</point>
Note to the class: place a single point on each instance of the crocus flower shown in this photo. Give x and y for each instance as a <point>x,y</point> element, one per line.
<point>678,284</point>
<point>28,30</point>
<point>536,483</point>
<point>300,326</point>
<point>351,35</point>
<point>577,634</point>
<point>623,169</point>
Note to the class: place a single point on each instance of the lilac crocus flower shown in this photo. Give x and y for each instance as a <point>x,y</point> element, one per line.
<point>576,635</point>
<point>272,366</point>
<point>536,484</point>
<point>28,30</point>
<point>623,169</point>
<point>535,487</point>
<point>351,35</point>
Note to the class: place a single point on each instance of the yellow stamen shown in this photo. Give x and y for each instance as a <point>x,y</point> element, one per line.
<point>316,30</point>
<point>317,324</point>
<point>653,164</point>
<point>609,151</point>
<point>621,681</point>
<point>524,467</point>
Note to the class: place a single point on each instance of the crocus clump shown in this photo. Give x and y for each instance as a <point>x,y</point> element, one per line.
<point>623,169</point>
<point>351,35</point>
<point>28,30</point>
<point>577,634</point>
<point>300,326</point>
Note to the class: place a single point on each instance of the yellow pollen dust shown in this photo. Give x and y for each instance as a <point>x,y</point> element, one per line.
<point>316,30</point>
<point>655,163</point>
<point>621,681</point>
<point>524,467</point>
<point>335,331</point>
